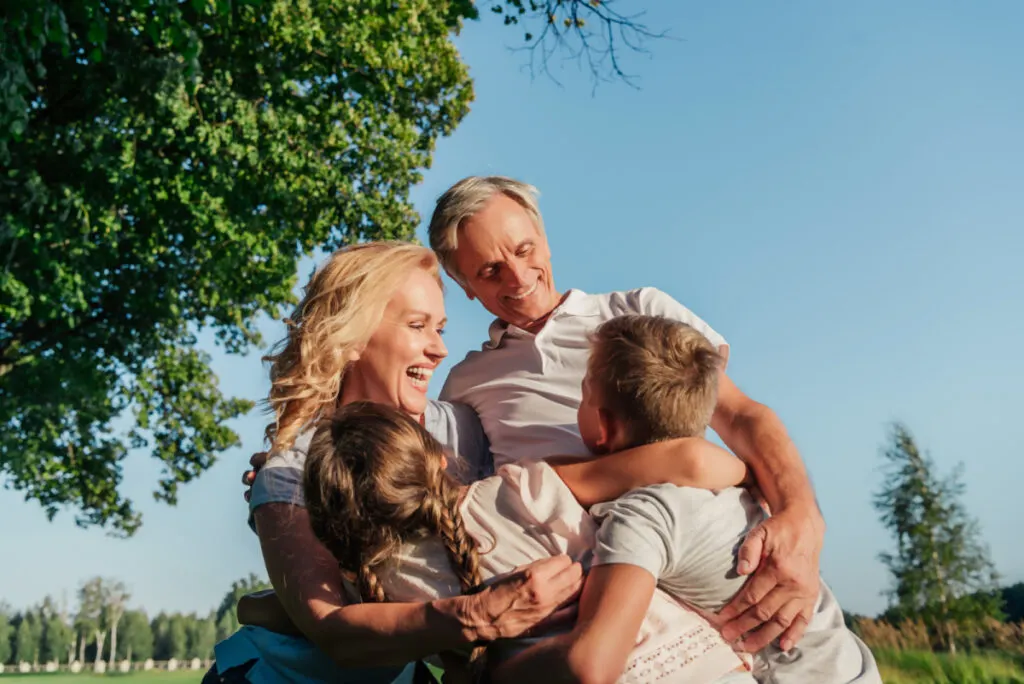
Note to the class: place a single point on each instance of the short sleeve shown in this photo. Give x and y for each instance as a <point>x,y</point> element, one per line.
<point>457,427</point>
<point>472,445</point>
<point>280,478</point>
<point>636,529</point>
<point>653,302</point>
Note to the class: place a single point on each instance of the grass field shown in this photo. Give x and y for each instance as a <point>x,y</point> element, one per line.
<point>898,667</point>
<point>920,667</point>
<point>153,676</point>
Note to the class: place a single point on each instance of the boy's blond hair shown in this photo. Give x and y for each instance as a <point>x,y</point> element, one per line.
<point>656,375</point>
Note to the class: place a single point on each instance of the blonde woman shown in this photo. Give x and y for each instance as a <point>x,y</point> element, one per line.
<point>368,328</point>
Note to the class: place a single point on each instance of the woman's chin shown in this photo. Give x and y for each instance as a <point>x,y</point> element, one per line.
<point>414,405</point>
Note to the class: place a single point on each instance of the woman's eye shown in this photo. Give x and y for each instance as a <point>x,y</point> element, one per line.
<point>417,326</point>
<point>440,331</point>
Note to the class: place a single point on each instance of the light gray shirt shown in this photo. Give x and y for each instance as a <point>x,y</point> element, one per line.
<point>455,426</point>
<point>688,540</point>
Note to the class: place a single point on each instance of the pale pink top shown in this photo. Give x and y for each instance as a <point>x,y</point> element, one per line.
<point>525,513</point>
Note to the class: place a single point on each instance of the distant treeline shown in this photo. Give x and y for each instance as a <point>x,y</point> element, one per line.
<point>102,627</point>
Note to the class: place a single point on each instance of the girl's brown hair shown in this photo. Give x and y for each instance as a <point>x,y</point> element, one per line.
<point>375,480</point>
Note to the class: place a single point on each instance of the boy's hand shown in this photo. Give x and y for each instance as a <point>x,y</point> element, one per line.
<point>257,461</point>
<point>779,599</point>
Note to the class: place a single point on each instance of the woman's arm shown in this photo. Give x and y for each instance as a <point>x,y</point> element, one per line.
<point>686,462</point>
<point>308,583</point>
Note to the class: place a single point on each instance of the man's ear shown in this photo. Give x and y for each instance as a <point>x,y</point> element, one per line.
<point>461,283</point>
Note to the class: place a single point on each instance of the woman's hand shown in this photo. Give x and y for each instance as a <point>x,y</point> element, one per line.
<point>533,598</point>
<point>249,476</point>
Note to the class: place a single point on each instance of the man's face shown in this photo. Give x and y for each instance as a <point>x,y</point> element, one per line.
<point>505,262</point>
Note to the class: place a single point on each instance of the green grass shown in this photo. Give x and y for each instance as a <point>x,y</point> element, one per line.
<point>154,676</point>
<point>920,667</point>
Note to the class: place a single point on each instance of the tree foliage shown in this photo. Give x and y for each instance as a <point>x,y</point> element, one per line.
<point>226,615</point>
<point>941,571</point>
<point>136,642</point>
<point>6,633</point>
<point>166,164</point>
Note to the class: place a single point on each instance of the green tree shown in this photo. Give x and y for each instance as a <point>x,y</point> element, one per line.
<point>161,628</point>
<point>166,164</point>
<point>940,570</point>
<point>1013,598</point>
<point>136,642</point>
<point>115,596</point>
<point>226,617</point>
<point>166,181</point>
<point>177,636</point>
<point>90,619</point>
<point>202,637</point>
<point>6,633</point>
<point>57,638</point>
<point>26,638</point>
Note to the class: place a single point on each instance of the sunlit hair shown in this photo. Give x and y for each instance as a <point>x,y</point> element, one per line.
<point>375,480</point>
<point>656,375</point>
<point>462,201</point>
<point>340,309</point>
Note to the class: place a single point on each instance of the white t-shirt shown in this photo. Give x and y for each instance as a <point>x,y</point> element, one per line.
<point>687,539</point>
<point>527,387</point>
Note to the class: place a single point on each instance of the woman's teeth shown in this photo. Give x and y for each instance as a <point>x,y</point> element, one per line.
<point>420,376</point>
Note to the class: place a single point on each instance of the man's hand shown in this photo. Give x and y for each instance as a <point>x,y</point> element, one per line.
<point>528,600</point>
<point>249,476</point>
<point>780,597</point>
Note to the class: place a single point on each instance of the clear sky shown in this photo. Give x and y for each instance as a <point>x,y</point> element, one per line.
<point>837,188</point>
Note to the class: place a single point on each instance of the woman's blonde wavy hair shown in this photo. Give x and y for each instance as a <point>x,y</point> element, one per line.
<point>340,309</point>
<point>374,481</point>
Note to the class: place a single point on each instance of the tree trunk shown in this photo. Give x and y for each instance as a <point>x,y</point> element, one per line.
<point>113,644</point>
<point>101,636</point>
<point>129,657</point>
<point>81,648</point>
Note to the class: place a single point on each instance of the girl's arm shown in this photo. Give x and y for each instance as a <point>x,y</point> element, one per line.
<point>686,462</point>
<point>307,581</point>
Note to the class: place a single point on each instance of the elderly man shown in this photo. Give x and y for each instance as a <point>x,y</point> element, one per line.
<point>525,384</point>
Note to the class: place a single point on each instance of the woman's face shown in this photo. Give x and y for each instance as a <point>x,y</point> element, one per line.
<point>395,366</point>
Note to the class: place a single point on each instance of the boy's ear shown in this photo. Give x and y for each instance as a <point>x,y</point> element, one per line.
<point>609,430</point>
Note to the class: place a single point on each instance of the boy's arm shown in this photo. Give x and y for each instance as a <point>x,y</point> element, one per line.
<point>686,462</point>
<point>612,608</point>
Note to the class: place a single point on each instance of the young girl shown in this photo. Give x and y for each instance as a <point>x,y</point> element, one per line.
<point>402,529</point>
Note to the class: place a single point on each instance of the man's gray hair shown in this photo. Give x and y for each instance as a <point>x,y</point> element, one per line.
<point>462,201</point>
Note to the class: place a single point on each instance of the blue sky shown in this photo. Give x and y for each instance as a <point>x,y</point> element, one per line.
<point>837,188</point>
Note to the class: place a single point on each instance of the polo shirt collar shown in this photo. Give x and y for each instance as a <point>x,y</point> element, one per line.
<point>575,303</point>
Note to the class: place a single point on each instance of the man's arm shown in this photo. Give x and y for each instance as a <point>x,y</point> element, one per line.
<point>687,462</point>
<point>783,552</point>
<point>307,581</point>
<point>612,609</point>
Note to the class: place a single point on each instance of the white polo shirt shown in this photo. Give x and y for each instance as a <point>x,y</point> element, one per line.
<point>526,388</point>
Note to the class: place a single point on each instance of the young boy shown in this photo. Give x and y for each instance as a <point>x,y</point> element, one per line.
<point>651,379</point>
